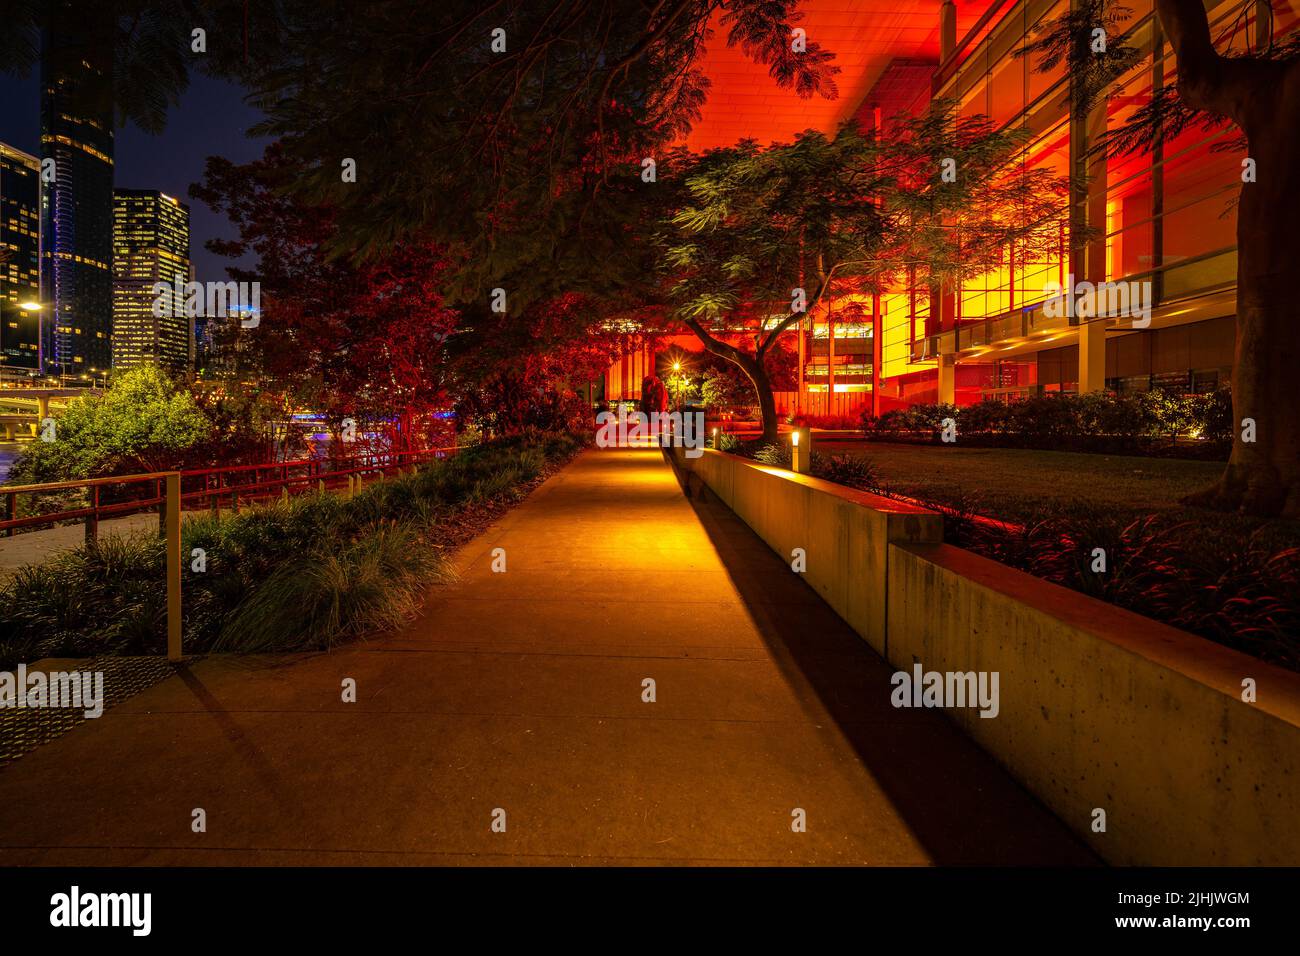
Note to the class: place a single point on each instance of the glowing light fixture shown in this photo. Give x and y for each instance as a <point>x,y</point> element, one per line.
<point>30,306</point>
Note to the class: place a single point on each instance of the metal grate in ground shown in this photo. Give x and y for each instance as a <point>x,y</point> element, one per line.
<point>24,729</point>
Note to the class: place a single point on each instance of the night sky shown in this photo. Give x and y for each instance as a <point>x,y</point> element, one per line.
<point>212,119</point>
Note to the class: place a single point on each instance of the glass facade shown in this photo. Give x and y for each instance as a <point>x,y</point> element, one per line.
<point>151,245</point>
<point>20,245</point>
<point>77,213</point>
<point>1165,215</point>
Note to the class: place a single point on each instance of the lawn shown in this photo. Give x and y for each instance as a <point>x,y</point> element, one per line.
<point>1018,483</point>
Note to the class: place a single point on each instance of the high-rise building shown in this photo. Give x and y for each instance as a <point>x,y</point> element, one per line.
<point>77,216</point>
<point>20,251</point>
<point>151,245</point>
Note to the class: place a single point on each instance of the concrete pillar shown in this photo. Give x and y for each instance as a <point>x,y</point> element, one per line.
<point>42,407</point>
<point>947,30</point>
<point>1092,356</point>
<point>948,379</point>
<point>830,361</point>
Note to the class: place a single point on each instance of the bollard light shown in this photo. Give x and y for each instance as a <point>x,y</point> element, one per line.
<point>800,451</point>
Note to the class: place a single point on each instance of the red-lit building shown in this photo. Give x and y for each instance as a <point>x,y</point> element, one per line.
<point>1165,217</point>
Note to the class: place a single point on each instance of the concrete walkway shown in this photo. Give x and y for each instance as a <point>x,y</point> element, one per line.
<point>523,691</point>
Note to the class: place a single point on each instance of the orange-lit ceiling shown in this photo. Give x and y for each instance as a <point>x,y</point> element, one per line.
<point>864,35</point>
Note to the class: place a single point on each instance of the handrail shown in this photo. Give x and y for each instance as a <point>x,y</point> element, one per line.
<point>281,475</point>
<point>171,498</point>
<point>85,482</point>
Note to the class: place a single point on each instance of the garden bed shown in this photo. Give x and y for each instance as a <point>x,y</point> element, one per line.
<point>290,576</point>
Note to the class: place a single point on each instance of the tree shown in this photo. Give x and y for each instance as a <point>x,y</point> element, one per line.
<point>511,131</point>
<point>144,422</point>
<point>1260,95</point>
<point>342,338</point>
<point>766,236</point>
<point>509,375</point>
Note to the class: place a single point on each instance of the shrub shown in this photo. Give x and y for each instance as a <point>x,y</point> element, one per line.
<point>329,595</point>
<point>729,443</point>
<point>298,574</point>
<point>1099,421</point>
<point>852,471</point>
<point>778,455</point>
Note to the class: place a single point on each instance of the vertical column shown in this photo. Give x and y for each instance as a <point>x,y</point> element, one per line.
<point>1157,169</point>
<point>877,352</point>
<point>947,30</point>
<point>830,360</point>
<point>803,358</point>
<point>948,379</point>
<point>173,511</point>
<point>1092,356</point>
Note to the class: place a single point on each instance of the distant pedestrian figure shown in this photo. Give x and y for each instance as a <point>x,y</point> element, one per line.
<point>654,400</point>
<point>654,397</point>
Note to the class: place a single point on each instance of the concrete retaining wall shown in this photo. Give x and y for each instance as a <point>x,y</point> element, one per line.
<point>1100,708</point>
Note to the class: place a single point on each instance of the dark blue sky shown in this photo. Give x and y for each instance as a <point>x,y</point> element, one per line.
<point>212,119</point>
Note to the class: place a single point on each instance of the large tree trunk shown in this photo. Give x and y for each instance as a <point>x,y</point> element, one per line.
<point>755,370</point>
<point>757,374</point>
<point>1263,98</point>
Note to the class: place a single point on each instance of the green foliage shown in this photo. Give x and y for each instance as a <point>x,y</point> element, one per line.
<point>1100,420</point>
<point>854,471</point>
<point>144,422</point>
<point>372,583</point>
<point>729,443</point>
<point>851,470</point>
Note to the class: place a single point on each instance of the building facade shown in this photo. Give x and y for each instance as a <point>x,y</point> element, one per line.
<point>1160,220</point>
<point>151,247</point>
<point>77,214</point>
<point>20,262</point>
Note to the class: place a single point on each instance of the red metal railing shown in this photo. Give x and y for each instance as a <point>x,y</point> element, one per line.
<point>212,488</point>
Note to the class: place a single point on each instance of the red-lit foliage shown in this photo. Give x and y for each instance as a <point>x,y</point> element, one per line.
<point>339,338</point>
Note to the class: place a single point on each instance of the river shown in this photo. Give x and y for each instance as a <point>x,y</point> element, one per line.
<point>8,452</point>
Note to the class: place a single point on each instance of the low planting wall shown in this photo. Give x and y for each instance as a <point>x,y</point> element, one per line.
<point>1099,708</point>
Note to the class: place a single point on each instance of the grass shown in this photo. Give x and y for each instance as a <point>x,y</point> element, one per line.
<point>1016,484</point>
<point>302,574</point>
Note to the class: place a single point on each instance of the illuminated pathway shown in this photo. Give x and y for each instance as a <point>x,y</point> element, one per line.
<point>523,691</point>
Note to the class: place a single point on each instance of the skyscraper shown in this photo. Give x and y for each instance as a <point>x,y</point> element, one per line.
<point>77,219</point>
<point>151,244</point>
<point>20,247</point>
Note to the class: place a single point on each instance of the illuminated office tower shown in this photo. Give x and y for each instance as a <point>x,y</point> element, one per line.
<point>151,245</point>
<point>20,250</point>
<point>77,211</point>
